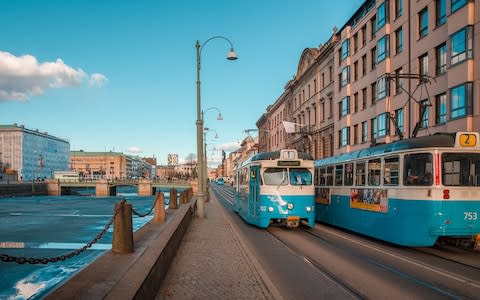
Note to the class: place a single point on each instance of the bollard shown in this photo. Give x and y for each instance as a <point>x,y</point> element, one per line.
<point>122,240</point>
<point>159,208</point>
<point>183,197</point>
<point>173,199</point>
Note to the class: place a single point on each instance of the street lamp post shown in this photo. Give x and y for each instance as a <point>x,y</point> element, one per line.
<point>232,55</point>
<point>205,131</point>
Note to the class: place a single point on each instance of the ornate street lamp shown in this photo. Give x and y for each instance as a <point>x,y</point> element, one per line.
<point>231,55</point>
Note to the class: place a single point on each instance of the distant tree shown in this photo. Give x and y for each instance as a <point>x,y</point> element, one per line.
<point>190,158</point>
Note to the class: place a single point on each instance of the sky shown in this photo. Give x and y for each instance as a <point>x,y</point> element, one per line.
<point>117,75</point>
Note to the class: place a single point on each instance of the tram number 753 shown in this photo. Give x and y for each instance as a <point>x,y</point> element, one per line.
<point>470,216</point>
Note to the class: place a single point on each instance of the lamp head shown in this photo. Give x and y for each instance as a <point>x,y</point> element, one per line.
<point>232,55</point>
<point>220,117</point>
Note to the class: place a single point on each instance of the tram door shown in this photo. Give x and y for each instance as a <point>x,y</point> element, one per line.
<point>254,191</point>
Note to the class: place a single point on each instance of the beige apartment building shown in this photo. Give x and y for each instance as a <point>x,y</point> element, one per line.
<point>395,69</point>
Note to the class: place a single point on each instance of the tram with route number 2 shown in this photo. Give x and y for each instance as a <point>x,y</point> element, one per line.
<point>409,192</point>
<point>275,188</point>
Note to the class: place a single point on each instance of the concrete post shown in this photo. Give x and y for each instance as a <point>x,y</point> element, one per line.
<point>159,208</point>
<point>173,198</point>
<point>122,241</point>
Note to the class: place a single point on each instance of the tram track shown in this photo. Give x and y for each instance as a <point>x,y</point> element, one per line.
<point>342,257</point>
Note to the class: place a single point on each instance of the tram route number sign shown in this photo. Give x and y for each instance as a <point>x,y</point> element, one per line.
<point>468,140</point>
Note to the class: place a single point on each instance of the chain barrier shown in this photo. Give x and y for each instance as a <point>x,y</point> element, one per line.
<point>146,214</point>
<point>34,261</point>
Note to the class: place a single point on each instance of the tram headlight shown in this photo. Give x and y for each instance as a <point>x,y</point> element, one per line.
<point>290,206</point>
<point>308,208</point>
<point>270,209</point>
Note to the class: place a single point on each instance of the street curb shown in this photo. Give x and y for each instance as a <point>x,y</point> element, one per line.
<point>137,275</point>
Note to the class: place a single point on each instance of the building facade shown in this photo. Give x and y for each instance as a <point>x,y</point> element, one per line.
<point>32,154</point>
<point>396,69</point>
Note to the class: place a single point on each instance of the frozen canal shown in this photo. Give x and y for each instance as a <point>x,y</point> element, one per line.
<point>45,227</point>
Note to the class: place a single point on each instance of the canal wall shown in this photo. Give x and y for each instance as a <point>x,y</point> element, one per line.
<point>23,189</point>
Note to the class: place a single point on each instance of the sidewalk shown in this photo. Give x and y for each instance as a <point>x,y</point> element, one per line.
<point>213,263</point>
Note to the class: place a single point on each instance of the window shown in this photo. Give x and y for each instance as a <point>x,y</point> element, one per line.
<point>364,98</point>
<point>382,88</point>
<point>360,173</point>
<point>423,105</point>
<point>323,110</point>
<point>355,70</point>
<point>399,119</point>
<point>398,81</point>
<point>330,104</point>
<point>440,12</point>
<point>461,100</point>
<point>373,26</point>
<point>418,169</point>
<point>355,102</point>
<point>457,4</point>
<point>382,14</point>
<point>345,76</point>
<point>461,45</point>
<point>348,174</point>
<point>399,40</point>
<point>345,49</point>
<point>373,128</point>
<point>364,35</point>
<point>374,169</point>
<point>275,176</point>
<point>461,169</point>
<point>345,106</point>
<point>364,131</point>
<point>398,8</point>
<point>441,58</point>
<point>300,176</point>
<point>441,109</point>
<point>373,55</point>
<point>391,168</point>
<point>373,88</point>
<point>344,136</point>
<point>383,47</point>
<point>339,175</point>
<point>423,23</point>
<point>423,64</point>
<point>383,129</point>
<point>355,42</point>
<point>364,65</point>
<point>355,134</point>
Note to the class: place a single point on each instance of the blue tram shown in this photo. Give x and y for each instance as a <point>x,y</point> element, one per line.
<point>275,188</point>
<point>409,192</point>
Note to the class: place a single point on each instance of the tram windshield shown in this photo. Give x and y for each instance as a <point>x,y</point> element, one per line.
<point>461,169</point>
<point>300,176</point>
<point>275,176</point>
<point>280,176</point>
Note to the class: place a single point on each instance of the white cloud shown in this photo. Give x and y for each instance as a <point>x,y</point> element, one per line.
<point>232,146</point>
<point>97,79</point>
<point>135,150</point>
<point>23,77</point>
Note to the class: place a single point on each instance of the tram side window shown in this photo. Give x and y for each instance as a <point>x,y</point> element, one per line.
<point>300,176</point>
<point>374,171</point>
<point>322,176</point>
<point>339,175</point>
<point>461,169</point>
<point>348,175</point>
<point>330,175</point>
<point>360,173</point>
<point>418,169</point>
<point>275,176</point>
<point>391,168</point>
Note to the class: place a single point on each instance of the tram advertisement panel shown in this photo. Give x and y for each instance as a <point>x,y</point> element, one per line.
<point>369,199</point>
<point>322,195</point>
